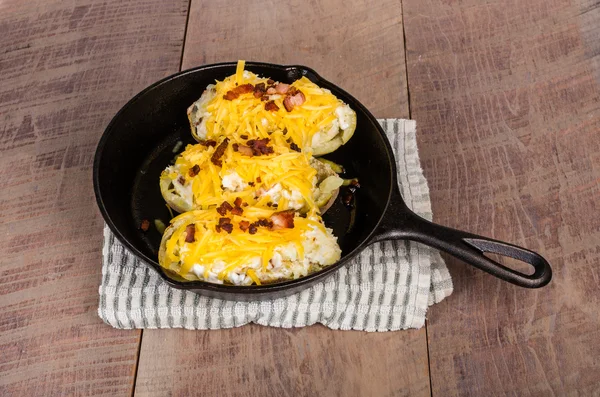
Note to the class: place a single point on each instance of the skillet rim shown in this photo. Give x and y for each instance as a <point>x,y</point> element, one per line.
<point>224,289</point>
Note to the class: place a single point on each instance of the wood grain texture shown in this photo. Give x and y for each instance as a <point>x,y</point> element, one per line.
<point>506,95</point>
<point>65,69</point>
<point>357,45</point>
<point>361,49</point>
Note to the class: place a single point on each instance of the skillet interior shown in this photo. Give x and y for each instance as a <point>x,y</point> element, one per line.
<point>138,144</point>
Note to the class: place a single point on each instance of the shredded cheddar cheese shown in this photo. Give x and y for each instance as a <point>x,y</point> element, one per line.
<point>247,114</point>
<point>259,180</point>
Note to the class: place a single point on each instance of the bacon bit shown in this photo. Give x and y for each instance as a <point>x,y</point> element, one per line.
<point>194,170</point>
<point>259,146</point>
<point>282,88</point>
<point>208,143</point>
<point>251,184</point>
<point>264,98</point>
<point>252,229</point>
<point>284,131</point>
<point>244,204</point>
<point>237,202</point>
<point>293,91</point>
<point>294,147</point>
<point>223,208</point>
<point>145,225</point>
<point>269,204</point>
<point>271,91</point>
<point>235,147</point>
<point>244,136</point>
<point>225,224</point>
<point>218,229</point>
<point>259,90</point>
<point>282,220</point>
<point>219,151</point>
<point>271,106</point>
<point>237,91</point>
<point>244,225</point>
<point>294,100</point>
<point>190,231</point>
<point>258,179</point>
<point>270,81</point>
<point>237,211</point>
<point>181,180</point>
<point>245,150</point>
<point>264,222</point>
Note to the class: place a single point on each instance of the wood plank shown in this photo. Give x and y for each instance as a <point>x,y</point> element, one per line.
<point>65,69</point>
<point>507,98</point>
<point>360,48</point>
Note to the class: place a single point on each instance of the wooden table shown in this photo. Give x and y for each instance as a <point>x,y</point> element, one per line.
<point>507,99</point>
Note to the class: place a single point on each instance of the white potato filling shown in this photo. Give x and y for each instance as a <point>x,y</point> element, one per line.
<point>320,249</point>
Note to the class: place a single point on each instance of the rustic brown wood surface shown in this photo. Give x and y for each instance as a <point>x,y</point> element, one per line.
<point>65,69</point>
<point>507,99</point>
<point>360,48</point>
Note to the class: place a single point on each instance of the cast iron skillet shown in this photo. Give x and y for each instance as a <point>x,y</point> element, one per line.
<point>139,143</point>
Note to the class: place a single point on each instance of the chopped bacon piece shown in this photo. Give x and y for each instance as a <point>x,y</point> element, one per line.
<point>252,229</point>
<point>251,184</point>
<point>294,147</point>
<point>223,208</point>
<point>194,170</point>
<point>237,202</point>
<point>282,220</point>
<point>293,91</point>
<point>237,211</point>
<point>219,152</point>
<point>223,221</point>
<point>294,100</point>
<point>228,227</point>
<point>271,91</point>
<point>264,98</point>
<point>145,225</point>
<point>259,146</point>
<point>259,90</point>
<point>258,179</point>
<point>208,142</point>
<point>190,231</point>
<point>244,136</point>
<point>270,81</point>
<point>271,106</point>
<point>282,88</point>
<point>244,204</point>
<point>244,225</point>
<point>181,180</point>
<point>235,147</point>
<point>237,91</point>
<point>245,150</point>
<point>218,229</point>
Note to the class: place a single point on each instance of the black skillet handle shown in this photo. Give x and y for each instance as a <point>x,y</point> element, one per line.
<point>401,223</point>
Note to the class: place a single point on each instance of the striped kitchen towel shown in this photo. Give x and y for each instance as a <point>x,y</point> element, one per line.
<point>389,286</point>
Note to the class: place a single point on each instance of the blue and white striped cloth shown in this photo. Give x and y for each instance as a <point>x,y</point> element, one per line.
<point>388,287</point>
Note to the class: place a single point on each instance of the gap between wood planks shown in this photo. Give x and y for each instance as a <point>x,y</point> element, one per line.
<point>410,117</point>
<point>139,349</point>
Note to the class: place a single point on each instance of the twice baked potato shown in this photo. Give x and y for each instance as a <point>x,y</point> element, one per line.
<point>205,175</point>
<point>256,246</point>
<point>313,118</point>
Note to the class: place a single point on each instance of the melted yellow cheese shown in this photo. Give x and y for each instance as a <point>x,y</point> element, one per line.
<point>235,249</point>
<point>247,115</point>
<point>290,169</point>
